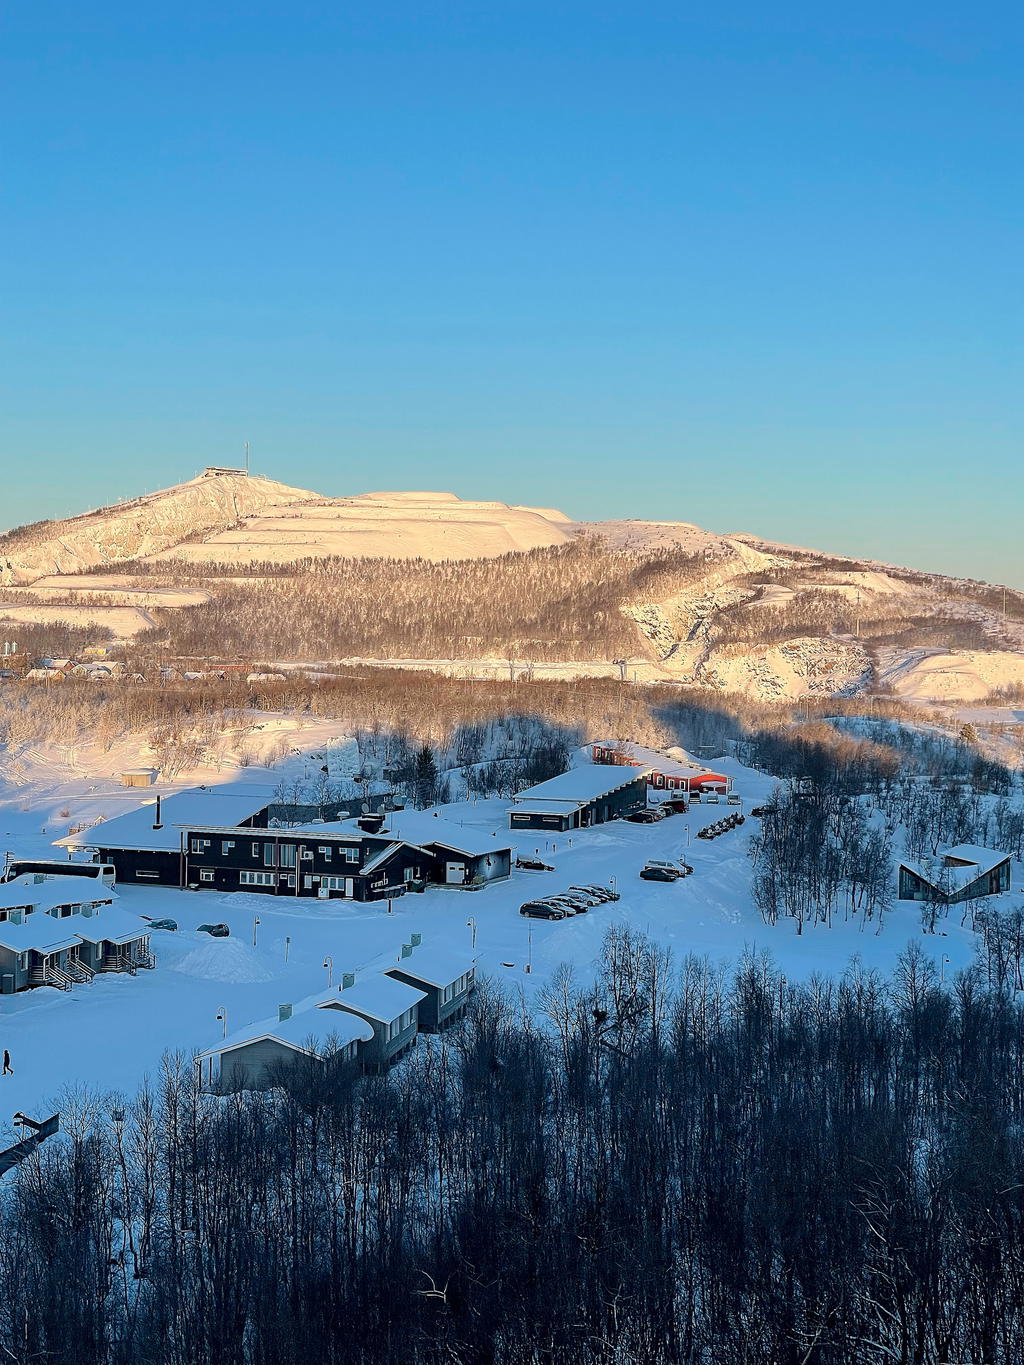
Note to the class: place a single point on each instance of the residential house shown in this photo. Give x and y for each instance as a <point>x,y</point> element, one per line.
<point>445,975</point>
<point>253,1058</point>
<point>964,872</point>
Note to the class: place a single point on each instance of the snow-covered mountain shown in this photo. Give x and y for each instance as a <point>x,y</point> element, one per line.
<point>732,612</point>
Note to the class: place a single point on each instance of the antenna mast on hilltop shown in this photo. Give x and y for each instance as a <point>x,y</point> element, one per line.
<point>247,457</point>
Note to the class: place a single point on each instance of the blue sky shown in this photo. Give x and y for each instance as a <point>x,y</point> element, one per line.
<point>752,266</point>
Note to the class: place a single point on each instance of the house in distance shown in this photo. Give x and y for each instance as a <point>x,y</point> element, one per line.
<point>961,873</point>
<point>588,795</point>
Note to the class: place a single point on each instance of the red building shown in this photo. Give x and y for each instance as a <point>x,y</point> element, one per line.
<point>667,773</point>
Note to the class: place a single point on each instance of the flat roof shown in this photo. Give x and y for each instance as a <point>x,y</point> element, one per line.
<point>583,784</point>
<point>202,806</point>
<point>419,827</point>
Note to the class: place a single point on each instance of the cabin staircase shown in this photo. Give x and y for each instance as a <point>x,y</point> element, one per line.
<point>80,972</point>
<point>50,976</point>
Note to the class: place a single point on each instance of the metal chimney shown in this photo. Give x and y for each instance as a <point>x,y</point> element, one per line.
<point>283,1012</point>
<point>415,940</point>
<point>157,824</point>
<point>407,950</point>
<point>348,979</point>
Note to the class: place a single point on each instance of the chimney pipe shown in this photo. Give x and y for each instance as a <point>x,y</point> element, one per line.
<point>348,979</point>
<point>156,818</point>
<point>415,940</point>
<point>283,1012</point>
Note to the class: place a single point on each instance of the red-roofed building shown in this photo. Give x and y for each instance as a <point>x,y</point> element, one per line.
<point>667,773</point>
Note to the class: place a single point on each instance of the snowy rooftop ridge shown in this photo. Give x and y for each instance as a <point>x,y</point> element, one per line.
<point>435,964</point>
<point>312,1021</point>
<point>45,894</point>
<point>585,783</point>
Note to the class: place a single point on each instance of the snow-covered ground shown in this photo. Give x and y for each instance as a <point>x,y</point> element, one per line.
<point>112,1033</point>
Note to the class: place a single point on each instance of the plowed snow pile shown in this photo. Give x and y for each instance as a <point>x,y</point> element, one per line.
<point>224,959</point>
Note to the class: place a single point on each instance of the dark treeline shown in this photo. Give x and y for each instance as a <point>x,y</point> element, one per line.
<point>671,1166</point>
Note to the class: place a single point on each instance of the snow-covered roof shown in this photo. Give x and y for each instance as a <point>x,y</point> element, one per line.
<point>203,807</point>
<point>436,964</point>
<point>379,858</point>
<point>41,932</point>
<point>112,925</point>
<point>51,891</point>
<point>379,997</point>
<point>985,858</point>
<point>422,827</point>
<point>971,861</point>
<point>579,785</point>
<point>676,763</point>
<point>311,1022</point>
<point>552,807</point>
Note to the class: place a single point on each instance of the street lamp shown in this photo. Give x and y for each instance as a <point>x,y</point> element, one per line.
<point>942,970</point>
<point>222,1017</point>
<point>256,922</point>
<point>471,924</point>
<point>329,964</point>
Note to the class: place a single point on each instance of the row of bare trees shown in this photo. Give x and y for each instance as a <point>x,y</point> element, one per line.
<point>670,1165</point>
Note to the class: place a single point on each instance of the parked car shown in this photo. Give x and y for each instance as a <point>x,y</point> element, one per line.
<point>644,817</point>
<point>214,930</point>
<point>661,862</point>
<point>734,799</point>
<point>758,811</point>
<point>572,905</point>
<point>695,796</point>
<point>170,924</point>
<point>658,874</point>
<point>542,910</point>
<point>713,799</point>
<point>600,893</point>
<point>534,865</point>
<point>676,804</point>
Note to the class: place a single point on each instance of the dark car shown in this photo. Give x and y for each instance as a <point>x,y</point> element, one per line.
<point>542,910</point>
<point>658,874</point>
<point>214,930</point>
<point>758,811</point>
<point>534,865</point>
<point>644,817</point>
<point>600,894</point>
<point>163,924</point>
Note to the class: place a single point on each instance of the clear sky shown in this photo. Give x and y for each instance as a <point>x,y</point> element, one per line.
<point>752,265</point>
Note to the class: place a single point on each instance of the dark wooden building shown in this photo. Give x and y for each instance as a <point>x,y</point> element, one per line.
<point>588,795</point>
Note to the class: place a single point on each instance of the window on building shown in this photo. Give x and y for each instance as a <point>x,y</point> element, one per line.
<point>287,855</point>
<point>256,878</point>
<point>226,845</point>
<point>269,855</point>
<point>206,874</point>
<point>255,850</point>
<point>352,855</point>
<point>324,852</point>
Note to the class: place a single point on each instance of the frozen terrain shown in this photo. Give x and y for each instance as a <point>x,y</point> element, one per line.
<point>111,1034</point>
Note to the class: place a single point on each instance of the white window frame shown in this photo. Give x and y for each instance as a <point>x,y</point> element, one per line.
<point>206,874</point>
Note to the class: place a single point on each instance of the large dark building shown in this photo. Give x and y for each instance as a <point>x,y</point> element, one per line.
<point>235,849</point>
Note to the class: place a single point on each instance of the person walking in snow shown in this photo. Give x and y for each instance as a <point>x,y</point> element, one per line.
<point>8,1069</point>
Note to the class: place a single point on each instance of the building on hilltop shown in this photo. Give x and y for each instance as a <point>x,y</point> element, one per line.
<point>956,874</point>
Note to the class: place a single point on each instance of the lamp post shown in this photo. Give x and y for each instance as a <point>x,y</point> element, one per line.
<point>222,1016</point>
<point>329,964</point>
<point>471,924</point>
<point>256,922</point>
<point>942,970</point>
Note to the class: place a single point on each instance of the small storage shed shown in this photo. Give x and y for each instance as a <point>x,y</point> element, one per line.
<point>138,777</point>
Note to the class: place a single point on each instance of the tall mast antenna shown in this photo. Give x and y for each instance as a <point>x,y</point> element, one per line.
<point>247,457</point>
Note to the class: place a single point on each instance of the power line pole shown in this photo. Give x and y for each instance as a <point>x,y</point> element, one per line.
<point>247,457</point>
